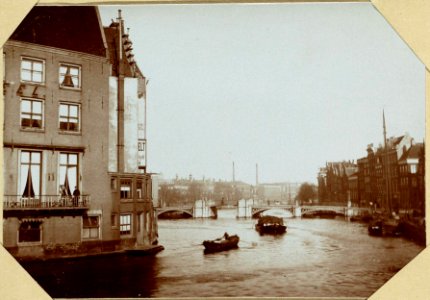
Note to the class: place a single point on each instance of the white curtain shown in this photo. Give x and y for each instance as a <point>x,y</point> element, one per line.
<point>35,159</point>
<point>69,166</point>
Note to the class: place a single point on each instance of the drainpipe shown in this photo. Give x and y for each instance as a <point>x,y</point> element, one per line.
<point>120,108</point>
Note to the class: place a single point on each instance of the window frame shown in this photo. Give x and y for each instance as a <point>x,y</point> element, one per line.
<point>84,228</point>
<point>68,165</point>
<point>31,113</point>
<point>68,117</point>
<point>70,65</point>
<point>32,60</point>
<point>125,229</point>
<point>130,192</point>
<point>40,228</point>
<point>32,162</point>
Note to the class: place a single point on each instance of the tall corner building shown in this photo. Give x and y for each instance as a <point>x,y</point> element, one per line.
<point>74,123</point>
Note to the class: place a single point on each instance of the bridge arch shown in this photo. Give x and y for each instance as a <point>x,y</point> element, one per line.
<point>308,211</point>
<point>187,213</point>
<point>257,211</point>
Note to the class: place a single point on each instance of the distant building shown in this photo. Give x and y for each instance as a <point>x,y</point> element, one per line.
<point>333,182</point>
<point>283,192</point>
<point>411,179</point>
<point>64,84</point>
<point>353,195</point>
<point>390,177</point>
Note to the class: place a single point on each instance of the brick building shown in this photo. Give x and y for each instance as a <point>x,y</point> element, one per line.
<point>390,178</point>
<point>333,182</point>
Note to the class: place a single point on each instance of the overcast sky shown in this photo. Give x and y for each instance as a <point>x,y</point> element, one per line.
<point>287,86</point>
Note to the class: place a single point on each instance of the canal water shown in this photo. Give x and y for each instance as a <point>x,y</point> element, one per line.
<point>316,258</point>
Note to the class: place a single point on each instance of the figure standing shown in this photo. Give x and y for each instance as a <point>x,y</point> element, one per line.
<point>76,195</point>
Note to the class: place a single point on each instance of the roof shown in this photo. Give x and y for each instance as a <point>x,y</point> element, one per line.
<point>341,168</point>
<point>270,220</point>
<point>130,68</point>
<point>59,27</point>
<point>413,153</point>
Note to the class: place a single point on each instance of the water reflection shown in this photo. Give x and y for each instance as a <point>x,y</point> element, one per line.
<point>107,276</point>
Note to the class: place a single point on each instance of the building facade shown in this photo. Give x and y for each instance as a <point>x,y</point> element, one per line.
<point>390,178</point>
<point>334,182</point>
<point>60,196</point>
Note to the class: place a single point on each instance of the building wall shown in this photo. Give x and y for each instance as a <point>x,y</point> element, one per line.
<point>133,116</point>
<point>92,139</point>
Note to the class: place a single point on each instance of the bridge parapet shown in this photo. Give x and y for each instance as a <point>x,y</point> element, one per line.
<point>248,209</point>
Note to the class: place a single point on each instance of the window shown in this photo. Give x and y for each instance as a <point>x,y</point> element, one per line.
<point>126,189</point>
<point>31,113</point>
<point>125,224</point>
<point>90,227</point>
<point>139,189</point>
<point>69,117</point>
<point>32,70</point>
<point>113,184</point>
<point>113,220</point>
<point>30,170</point>
<point>70,76</point>
<point>68,173</point>
<point>413,169</point>
<point>30,232</point>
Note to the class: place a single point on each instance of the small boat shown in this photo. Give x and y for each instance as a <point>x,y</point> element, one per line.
<point>375,228</point>
<point>270,225</point>
<point>384,228</point>
<point>227,242</point>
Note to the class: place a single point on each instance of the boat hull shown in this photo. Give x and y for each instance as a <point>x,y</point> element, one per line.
<point>223,245</point>
<point>271,229</point>
<point>384,228</point>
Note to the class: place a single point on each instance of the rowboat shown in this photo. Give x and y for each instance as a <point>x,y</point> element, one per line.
<point>227,242</point>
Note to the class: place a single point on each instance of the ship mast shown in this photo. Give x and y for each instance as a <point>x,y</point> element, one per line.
<point>387,204</point>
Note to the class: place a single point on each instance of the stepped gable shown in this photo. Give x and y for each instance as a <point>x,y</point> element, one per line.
<point>76,28</point>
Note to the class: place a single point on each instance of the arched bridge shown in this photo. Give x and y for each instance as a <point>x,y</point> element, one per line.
<point>175,210</point>
<point>314,209</point>
<point>202,208</point>
<point>302,210</point>
<point>256,211</point>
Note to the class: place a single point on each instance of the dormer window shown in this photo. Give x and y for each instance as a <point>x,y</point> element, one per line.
<point>32,70</point>
<point>70,76</point>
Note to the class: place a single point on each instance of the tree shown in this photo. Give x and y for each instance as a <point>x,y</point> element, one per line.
<point>307,192</point>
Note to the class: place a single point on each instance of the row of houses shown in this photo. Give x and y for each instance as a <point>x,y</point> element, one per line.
<point>389,177</point>
<point>75,178</point>
<point>180,191</point>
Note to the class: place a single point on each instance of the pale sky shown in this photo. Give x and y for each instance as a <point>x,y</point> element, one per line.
<point>287,86</point>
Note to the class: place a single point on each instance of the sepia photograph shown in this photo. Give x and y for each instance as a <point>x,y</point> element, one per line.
<point>212,150</point>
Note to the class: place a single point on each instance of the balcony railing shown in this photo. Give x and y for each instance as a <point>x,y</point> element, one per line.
<point>45,202</point>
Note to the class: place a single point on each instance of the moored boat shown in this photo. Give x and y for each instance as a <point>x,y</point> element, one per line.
<point>270,225</point>
<point>227,242</point>
<point>384,227</point>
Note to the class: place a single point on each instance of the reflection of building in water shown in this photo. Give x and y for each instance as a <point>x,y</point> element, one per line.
<point>71,91</point>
